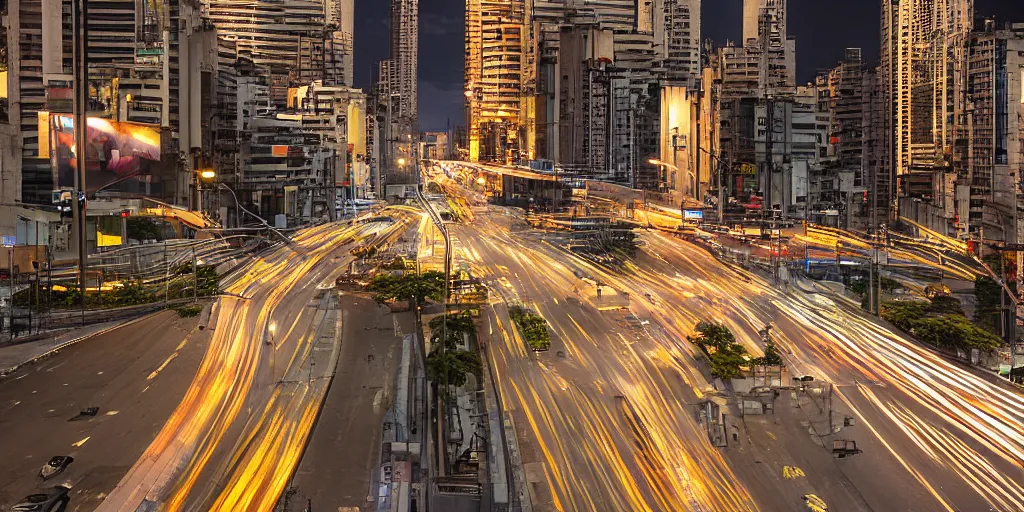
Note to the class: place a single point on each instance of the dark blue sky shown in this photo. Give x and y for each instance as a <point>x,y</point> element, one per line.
<point>823,29</point>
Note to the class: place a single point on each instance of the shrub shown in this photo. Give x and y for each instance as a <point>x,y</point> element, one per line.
<point>934,324</point>
<point>189,311</point>
<point>532,327</point>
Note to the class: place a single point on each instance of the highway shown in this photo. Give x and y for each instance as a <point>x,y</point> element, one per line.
<point>935,435</point>
<point>236,437</point>
<point>135,374</point>
<point>590,450</point>
<point>958,436</point>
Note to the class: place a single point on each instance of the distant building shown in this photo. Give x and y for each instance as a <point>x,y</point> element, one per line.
<point>402,76</point>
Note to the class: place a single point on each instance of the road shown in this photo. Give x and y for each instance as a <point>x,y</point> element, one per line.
<point>958,436</point>
<point>936,436</point>
<point>337,468</point>
<point>583,449</point>
<point>234,440</point>
<point>135,374</point>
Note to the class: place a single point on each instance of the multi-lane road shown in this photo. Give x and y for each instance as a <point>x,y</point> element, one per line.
<point>135,375</point>
<point>236,437</point>
<point>936,436</point>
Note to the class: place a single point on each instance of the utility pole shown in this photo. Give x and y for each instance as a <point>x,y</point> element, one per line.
<point>81,108</point>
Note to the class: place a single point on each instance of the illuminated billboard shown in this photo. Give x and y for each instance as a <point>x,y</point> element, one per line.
<point>116,151</point>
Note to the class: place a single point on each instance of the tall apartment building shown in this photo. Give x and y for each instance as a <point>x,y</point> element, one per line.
<point>296,41</point>
<point>922,64</point>
<point>403,92</point>
<point>995,131</point>
<point>677,43</point>
<point>405,55</point>
<point>765,35</point>
<point>495,64</point>
<point>39,54</point>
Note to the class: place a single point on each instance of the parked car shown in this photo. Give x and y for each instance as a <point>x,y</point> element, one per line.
<point>50,499</point>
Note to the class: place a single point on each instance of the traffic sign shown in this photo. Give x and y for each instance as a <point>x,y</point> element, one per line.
<point>8,240</point>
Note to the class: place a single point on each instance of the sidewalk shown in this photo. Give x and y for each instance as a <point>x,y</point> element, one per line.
<point>16,354</point>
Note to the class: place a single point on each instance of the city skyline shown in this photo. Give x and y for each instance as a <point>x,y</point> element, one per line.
<point>819,46</point>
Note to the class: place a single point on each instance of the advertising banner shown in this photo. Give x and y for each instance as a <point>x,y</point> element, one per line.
<point>116,151</point>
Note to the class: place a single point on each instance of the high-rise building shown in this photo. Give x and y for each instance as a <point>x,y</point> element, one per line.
<point>405,55</point>
<point>403,99</point>
<point>494,67</point>
<point>765,35</point>
<point>995,131</point>
<point>922,55</point>
<point>296,41</point>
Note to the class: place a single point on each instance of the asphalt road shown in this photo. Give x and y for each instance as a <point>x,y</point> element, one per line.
<point>582,448</point>
<point>135,374</point>
<point>235,439</point>
<point>935,436</point>
<point>345,448</point>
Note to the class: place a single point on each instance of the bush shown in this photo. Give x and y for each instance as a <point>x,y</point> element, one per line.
<point>532,327</point>
<point>189,311</point>
<point>939,324</point>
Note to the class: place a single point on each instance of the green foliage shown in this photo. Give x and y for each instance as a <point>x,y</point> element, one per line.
<point>771,356</point>
<point>933,323</point>
<point>987,296</point>
<point>532,327</point>
<point>144,228</point>
<point>946,305</point>
<point>457,325</point>
<point>726,364</point>
<point>410,287</point>
<point>452,366</point>
<point>719,343</point>
<point>189,311</point>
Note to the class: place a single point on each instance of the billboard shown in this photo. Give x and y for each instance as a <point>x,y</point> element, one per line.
<point>693,214</point>
<point>116,151</point>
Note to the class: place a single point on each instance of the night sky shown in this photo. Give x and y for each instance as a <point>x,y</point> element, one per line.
<point>823,29</point>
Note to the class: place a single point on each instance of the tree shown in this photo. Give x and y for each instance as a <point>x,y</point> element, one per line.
<point>726,364</point>
<point>771,356</point>
<point>718,342</point>
<point>456,325</point>
<point>415,288</point>
<point>453,366</point>
<point>713,335</point>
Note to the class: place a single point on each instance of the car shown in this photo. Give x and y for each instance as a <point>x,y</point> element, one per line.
<point>55,466</point>
<point>50,499</point>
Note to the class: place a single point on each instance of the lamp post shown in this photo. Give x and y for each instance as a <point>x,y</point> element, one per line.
<point>271,329</point>
<point>204,176</point>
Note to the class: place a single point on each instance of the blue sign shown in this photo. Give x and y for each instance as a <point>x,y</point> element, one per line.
<point>693,214</point>
<point>9,240</point>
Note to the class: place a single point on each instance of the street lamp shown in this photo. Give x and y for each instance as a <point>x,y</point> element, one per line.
<point>401,162</point>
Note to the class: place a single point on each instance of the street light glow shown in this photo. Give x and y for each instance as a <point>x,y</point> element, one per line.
<point>401,161</point>
<point>208,174</point>
<point>272,328</point>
